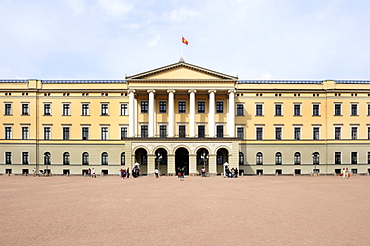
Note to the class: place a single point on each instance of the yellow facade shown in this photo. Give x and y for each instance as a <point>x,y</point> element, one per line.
<point>189,116</point>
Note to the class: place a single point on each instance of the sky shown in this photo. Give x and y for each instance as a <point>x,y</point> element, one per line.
<point>251,39</point>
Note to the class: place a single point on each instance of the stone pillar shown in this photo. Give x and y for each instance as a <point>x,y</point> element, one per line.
<point>192,164</point>
<point>151,114</point>
<point>151,164</point>
<point>171,114</point>
<point>211,114</point>
<point>171,165</point>
<point>132,114</point>
<point>192,113</point>
<point>231,114</point>
<point>212,164</point>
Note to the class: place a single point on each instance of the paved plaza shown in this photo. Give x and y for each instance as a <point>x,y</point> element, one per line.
<point>198,211</point>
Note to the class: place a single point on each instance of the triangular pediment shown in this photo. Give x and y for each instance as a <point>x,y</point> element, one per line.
<point>181,71</point>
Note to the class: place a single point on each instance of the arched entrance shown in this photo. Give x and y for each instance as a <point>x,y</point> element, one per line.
<point>161,160</point>
<point>222,157</point>
<point>182,159</point>
<point>202,159</point>
<point>141,157</point>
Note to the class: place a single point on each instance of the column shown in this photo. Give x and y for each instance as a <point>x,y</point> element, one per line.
<point>192,113</point>
<point>171,113</point>
<point>212,166</point>
<point>132,114</point>
<point>231,114</point>
<point>151,114</point>
<point>211,114</point>
<point>151,164</point>
<point>171,165</point>
<point>193,164</point>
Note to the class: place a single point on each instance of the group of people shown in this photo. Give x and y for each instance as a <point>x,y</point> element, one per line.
<point>345,173</point>
<point>203,172</point>
<point>125,173</point>
<point>91,173</point>
<point>181,173</point>
<point>231,173</point>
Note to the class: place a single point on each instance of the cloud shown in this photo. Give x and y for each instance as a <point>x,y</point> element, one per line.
<point>180,15</point>
<point>78,6</point>
<point>116,9</point>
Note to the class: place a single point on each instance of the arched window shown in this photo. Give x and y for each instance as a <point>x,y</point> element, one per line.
<point>104,158</point>
<point>278,158</point>
<point>85,158</point>
<point>47,158</point>
<point>66,158</point>
<point>241,158</point>
<point>297,158</point>
<point>123,159</point>
<point>259,158</point>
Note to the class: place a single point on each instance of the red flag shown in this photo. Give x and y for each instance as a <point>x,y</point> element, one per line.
<point>184,41</point>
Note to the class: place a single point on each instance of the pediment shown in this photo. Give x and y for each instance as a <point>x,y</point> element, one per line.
<point>181,71</point>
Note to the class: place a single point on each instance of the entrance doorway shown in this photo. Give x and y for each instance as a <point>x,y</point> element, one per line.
<point>161,160</point>
<point>182,159</point>
<point>141,157</point>
<point>222,157</point>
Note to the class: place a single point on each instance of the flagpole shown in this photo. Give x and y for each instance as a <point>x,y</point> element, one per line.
<point>182,48</point>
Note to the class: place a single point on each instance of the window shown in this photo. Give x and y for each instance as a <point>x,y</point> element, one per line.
<point>368,132</point>
<point>297,109</point>
<point>163,107</point>
<point>65,133</point>
<point>259,109</point>
<point>47,133</point>
<point>144,107</point>
<point>47,109</point>
<point>316,109</point>
<point>104,133</point>
<point>8,158</point>
<point>240,132</point>
<point>297,158</point>
<point>259,133</point>
<point>123,159</point>
<point>354,109</point>
<point>337,133</point>
<point>104,158</point>
<point>124,109</point>
<point>182,131</point>
<point>219,107</point>
<point>8,109</point>
<point>220,131</point>
<point>85,158</point>
<point>85,133</point>
<point>25,132</point>
<point>201,107</point>
<point>85,109</point>
<point>66,109</point>
<point>239,109</point>
<point>66,158</point>
<point>25,158</point>
<point>241,158</point>
<point>259,158</point>
<point>338,158</point>
<point>338,109</point>
<point>182,107</point>
<point>368,157</point>
<point>368,110</point>
<point>25,109</point>
<point>278,159</point>
<point>353,157</point>
<point>123,133</point>
<point>297,133</point>
<point>144,131</point>
<point>278,109</point>
<point>354,132</point>
<point>278,133</point>
<point>316,133</point>
<point>201,131</point>
<point>104,109</point>
<point>162,131</point>
<point>8,132</point>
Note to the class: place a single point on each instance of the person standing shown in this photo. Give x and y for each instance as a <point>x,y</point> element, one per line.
<point>203,171</point>
<point>347,173</point>
<point>156,172</point>
<point>343,173</point>
<point>34,172</point>
<point>93,173</point>
<point>128,172</point>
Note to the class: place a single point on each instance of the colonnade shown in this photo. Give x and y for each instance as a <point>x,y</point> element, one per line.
<point>133,113</point>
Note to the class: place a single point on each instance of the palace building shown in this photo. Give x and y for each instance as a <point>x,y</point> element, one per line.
<point>183,115</point>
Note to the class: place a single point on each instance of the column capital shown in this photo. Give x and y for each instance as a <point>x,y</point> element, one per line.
<point>131,91</point>
<point>231,91</point>
<point>151,91</point>
<point>212,91</point>
<point>171,90</point>
<point>192,91</point>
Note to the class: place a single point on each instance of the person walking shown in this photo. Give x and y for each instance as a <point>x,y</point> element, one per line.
<point>343,173</point>
<point>156,172</point>
<point>347,173</point>
<point>93,173</point>
<point>128,172</point>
